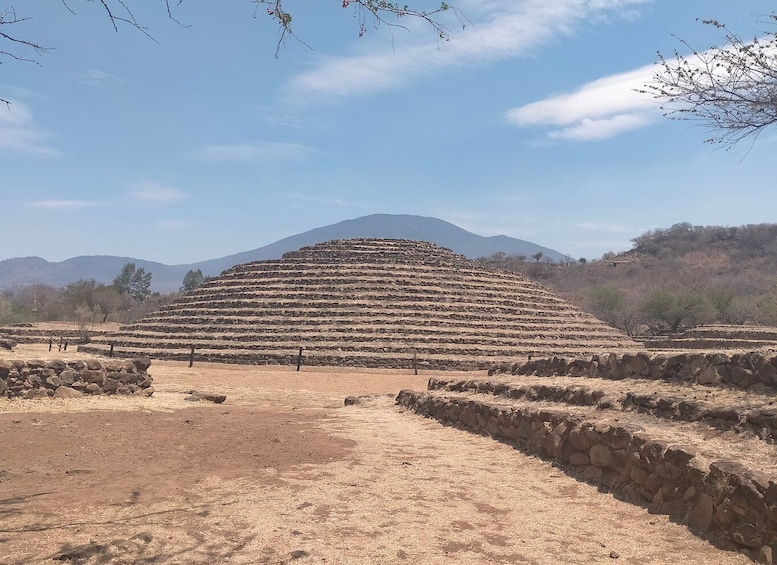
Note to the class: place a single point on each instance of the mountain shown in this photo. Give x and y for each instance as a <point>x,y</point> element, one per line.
<point>166,278</point>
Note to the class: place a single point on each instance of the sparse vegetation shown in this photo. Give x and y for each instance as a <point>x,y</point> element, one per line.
<point>85,301</point>
<point>672,278</point>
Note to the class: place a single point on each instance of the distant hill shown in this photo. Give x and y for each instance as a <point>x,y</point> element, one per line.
<point>23,271</point>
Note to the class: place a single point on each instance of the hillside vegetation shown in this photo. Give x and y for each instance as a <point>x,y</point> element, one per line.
<point>671,278</point>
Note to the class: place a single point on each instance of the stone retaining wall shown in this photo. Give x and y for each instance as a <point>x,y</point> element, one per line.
<point>758,421</point>
<point>720,500</point>
<point>70,379</point>
<point>754,371</point>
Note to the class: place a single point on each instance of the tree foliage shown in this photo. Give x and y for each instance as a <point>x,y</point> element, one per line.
<point>665,310</point>
<point>133,282</point>
<point>730,89</point>
<point>192,280</point>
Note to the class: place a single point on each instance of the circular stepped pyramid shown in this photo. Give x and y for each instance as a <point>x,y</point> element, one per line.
<point>367,303</point>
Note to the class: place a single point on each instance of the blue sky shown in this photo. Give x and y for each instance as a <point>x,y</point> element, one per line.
<point>204,144</point>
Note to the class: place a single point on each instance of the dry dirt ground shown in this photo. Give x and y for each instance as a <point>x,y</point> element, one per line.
<point>283,472</point>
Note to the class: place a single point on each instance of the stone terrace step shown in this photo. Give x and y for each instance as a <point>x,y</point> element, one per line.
<point>357,300</point>
<point>708,344</point>
<point>405,360</point>
<point>721,483</point>
<point>721,408</point>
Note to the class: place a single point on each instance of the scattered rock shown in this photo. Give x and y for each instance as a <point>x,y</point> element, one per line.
<point>144,536</point>
<point>81,552</point>
<point>299,554</point>
<point>195,396</point>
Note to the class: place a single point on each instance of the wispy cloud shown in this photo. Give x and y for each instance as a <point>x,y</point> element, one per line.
<point>304,198</point>
<point>275,117</point>
<point>617,227</point>
<point>501,29</point>
<point>150,191</point>
<point>269,151</point>
<point>19,134</point>
<point>597,110</point>
<point>63,204</point>
<point>173,225</point>
<point>99,79</point>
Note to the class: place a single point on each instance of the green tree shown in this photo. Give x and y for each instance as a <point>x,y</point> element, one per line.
<point>611,305</point>
<point>730,89</point>
<point>668,310</point>
<point>192,280</point>
<point>607,303</point>
<point>133,282</point>
<point>108,300</point>
<point>722,299</point>
<point>80,292</point>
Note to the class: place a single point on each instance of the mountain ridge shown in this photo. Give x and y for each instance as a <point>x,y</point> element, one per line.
<point>22,271</point>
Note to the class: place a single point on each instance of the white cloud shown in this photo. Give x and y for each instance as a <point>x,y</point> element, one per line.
<point>602,108</point>
<point>99,79</point>
<point>256,152</point>
<point>501,29</point>
<point>597,110</point>
<point>150,191</point>
<point>591,130</point>
<point>62,204</point>
<point>19,134</point>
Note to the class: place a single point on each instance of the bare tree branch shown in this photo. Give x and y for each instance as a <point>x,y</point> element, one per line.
<point>730,89</point>
<point>119,12</point>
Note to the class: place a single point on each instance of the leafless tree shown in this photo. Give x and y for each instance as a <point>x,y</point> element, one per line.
<point>731,89</point>
<point>14,46</point>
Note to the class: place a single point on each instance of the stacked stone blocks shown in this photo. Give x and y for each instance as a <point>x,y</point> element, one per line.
<point>70,379</point>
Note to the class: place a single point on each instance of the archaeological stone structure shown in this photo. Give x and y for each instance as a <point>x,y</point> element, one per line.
<point>72,379</point>
<point>366,303</point>
<point>691,435</point>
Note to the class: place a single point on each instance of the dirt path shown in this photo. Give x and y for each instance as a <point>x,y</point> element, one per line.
<point>284,473</point>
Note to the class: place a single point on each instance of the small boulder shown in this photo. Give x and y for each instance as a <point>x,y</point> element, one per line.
<point>195,396</point>
<point>67,392</point>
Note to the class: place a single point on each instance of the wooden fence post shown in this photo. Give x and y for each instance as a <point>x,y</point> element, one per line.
<point>415,361</point>
<point>299,359</point>
<point>51,343</point>
<point>65,348</point>
<point>191,357</point>
<point>110,354</point>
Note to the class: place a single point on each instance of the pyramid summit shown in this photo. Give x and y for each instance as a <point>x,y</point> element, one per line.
<point>368,303</point>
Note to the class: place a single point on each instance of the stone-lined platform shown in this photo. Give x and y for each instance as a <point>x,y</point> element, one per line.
<point>705,455</point>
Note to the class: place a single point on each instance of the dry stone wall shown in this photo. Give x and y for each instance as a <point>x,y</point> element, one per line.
<point>747,371</point>
<point>721,499</point>
<point>71,379</point>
